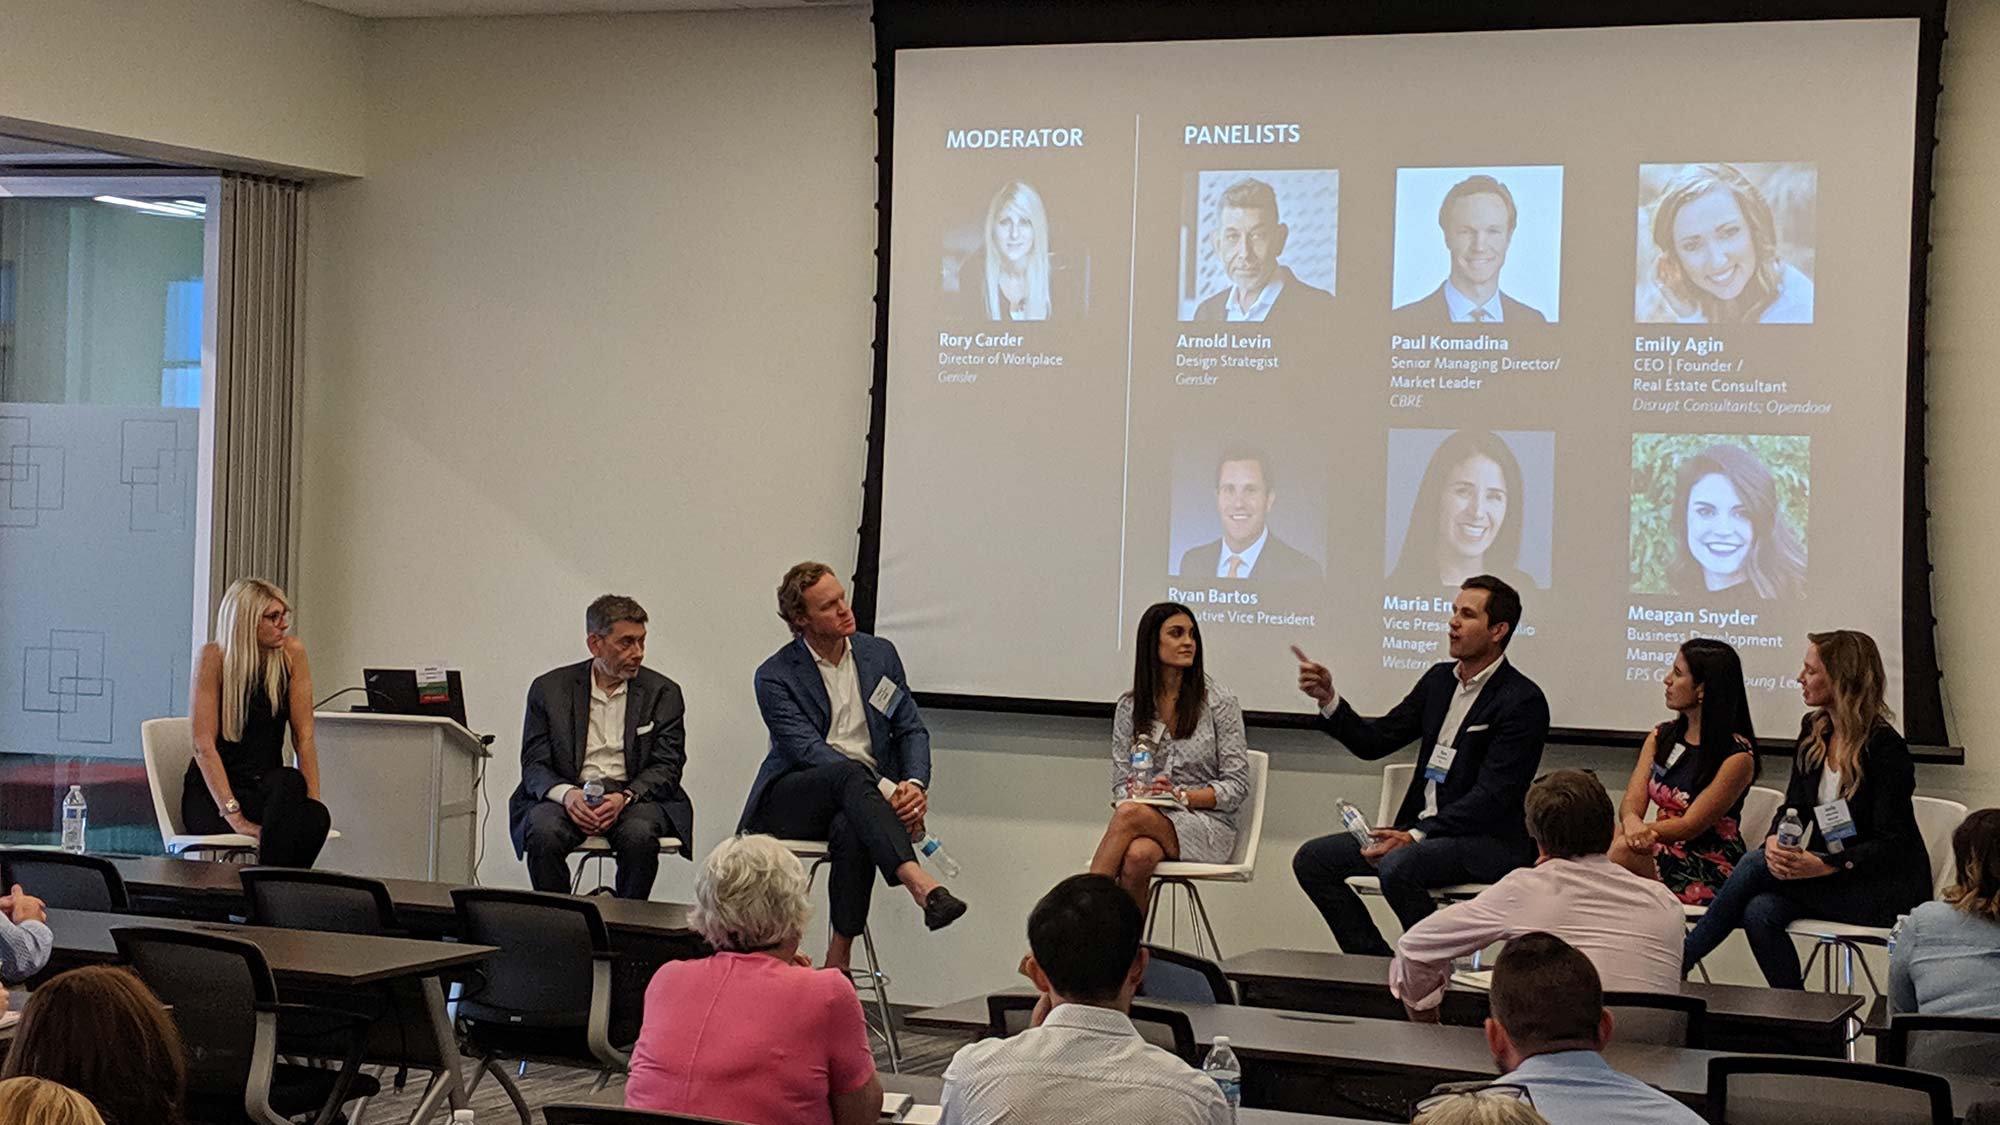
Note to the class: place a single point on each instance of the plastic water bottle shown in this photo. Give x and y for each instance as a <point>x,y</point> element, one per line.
<point>932,850</point>
<point>1141,781</point>
<point>1896,930</point>
<point>593,786</point>
<point>1221,1065</point>
<point>1356,824</point>
<point>1791,830</point>
<point>75,816</point>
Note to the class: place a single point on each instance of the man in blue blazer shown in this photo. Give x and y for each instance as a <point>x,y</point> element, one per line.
<point>1477,218</point>
<point>850,760</point>
<point>1479,725</point>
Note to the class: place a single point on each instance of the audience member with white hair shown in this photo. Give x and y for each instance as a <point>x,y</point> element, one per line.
<point>709,1046</point>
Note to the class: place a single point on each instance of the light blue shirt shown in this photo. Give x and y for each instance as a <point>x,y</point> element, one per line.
<point>24,949</point>
<point>1248,555</point>
<point>1461,306</point>
<point>1946,963</point>
<point>1580,1088</point>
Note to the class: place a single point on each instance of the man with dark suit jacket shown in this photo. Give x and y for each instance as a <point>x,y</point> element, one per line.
<point>1480,725</point>
<point>850,759</point>
<point>609,720</point>
<point>1244,494</point>
<point>1478,220</point>
<point>1248,240</point>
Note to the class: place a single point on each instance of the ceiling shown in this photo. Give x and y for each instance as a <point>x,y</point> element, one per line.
<point>18,153</point>
<point>389,9</point>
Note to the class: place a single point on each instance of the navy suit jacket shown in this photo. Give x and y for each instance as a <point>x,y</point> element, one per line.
<point>1499,750</point>
<point>1432,312</point>
<point>792,698</point>
<point>1279,561</point>
<point>557,725</point>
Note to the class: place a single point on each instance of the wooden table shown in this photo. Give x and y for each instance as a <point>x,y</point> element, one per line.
<point>305,957</point>
<point>1739,1018</point>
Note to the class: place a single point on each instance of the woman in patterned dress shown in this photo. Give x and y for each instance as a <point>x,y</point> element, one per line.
<point>1200,760</point>
<point>1695,768</point>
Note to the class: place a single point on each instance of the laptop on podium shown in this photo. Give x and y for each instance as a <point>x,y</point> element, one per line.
<point>393,691</point>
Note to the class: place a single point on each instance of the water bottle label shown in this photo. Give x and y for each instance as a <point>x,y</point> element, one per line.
<point>1232,1091</point>
<point>930,846</point>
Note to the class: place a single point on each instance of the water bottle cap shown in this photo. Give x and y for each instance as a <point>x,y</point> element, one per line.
<point>1222,1041</point>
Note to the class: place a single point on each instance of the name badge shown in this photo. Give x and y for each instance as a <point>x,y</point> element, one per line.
<point>883,698</point>
<point>1440,764</point>
<point>1836,824</point>
<point>1674,755</point>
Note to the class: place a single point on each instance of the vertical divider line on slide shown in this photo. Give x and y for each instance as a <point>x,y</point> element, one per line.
<point>1131,307</point>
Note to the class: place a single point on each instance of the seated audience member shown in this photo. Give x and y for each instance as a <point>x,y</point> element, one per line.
<point>1082,1062</point>
<point>1695,768</point>
<point>610,720</point>
<point>1947,957</point>
<point>1200,758</point>
<point>752,1033</point>
<point>849,759</point>
<point>25,939</point>
<point>1498,1104</point>
<point>1628,925</point>
<point>1547,1030</point>
<point>37,1101</point>
<point>102,1033</point>
<point>250,684</point>
<point>1862,859</point>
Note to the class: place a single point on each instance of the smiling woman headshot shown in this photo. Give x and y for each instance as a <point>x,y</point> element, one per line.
<point>1467,517</point>
<point>1008,277</point>
<point>1717,239</point>
<point>1728,532</point>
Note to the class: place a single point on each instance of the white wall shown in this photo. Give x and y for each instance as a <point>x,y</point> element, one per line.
<point>257,82</point>
<point>598,319</point>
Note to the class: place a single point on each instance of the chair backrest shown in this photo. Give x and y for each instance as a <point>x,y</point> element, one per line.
<point>1937,819</point>
<point>169,746</point>
<point>1786,1090</point>
<point>548,943</point>
<point>1247,840</point>
<point>1174,974</point>
<point>1395,782</point>
<point>1008,1013</point>
<point>613,1115</point>
<point>1760,807</point>
<point>72,882</point>
<point>1951,1044</point>
<point>214,986</point>
<point>299,899</point>
<point>1657,1018</point>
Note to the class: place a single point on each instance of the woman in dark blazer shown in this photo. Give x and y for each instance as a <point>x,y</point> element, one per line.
<point>1862,859</point>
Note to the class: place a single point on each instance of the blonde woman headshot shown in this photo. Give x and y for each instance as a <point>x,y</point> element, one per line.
<point>251,684</point>
<point>1718,243</point>
<point>37,1101</point>
<point>1008,277</point>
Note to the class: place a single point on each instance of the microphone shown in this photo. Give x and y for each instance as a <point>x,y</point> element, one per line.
<point>337,695</point>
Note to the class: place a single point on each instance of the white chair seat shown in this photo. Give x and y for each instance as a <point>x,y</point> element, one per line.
<point>1839,931</point>
<point>1693,913</point>
<point>222,841</point>
<point>1215,872</point>
<point>805,849</point>
<point>1372,885</point>
<point>600,844</point>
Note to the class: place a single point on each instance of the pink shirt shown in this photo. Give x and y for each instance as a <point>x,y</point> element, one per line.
<point>746,1037</point>
<point>1630,927</point>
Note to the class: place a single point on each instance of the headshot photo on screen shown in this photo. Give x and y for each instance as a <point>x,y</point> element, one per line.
<point>1259,247</point>
<point>1480,246</point>
<point>1720,516</point>
<point>1228,519</point>
<point>1726,243</point>
<point>1468,502</point>
<point>1011,266</point>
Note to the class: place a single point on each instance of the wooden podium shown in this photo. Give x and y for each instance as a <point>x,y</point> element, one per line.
<point>404,792</point>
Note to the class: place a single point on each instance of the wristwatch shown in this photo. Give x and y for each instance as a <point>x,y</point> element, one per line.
<point>231,807</point>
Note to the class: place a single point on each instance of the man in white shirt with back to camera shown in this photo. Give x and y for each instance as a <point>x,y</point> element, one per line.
<point>1082,1062</point>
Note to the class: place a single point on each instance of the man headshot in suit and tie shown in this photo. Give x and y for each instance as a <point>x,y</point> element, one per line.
<point>1477,219</point>
<point>613,721</point>
<point>1245,491</point>
<point>849,760</point>
<point>1249,239</point>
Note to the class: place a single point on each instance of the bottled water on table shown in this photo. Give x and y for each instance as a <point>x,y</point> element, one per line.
<point>1221,1065</point>
<point>1791,830</point>
<point>75,818</point>
<point>1356,825</point>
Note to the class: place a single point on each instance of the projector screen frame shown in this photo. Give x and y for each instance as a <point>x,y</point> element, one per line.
<point>921,24</point>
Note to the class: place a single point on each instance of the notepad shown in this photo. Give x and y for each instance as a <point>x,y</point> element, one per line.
<point>1481,980</point>
<point>924,1115</point>
<point>894,1106</point>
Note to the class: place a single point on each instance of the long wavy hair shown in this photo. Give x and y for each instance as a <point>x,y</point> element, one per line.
<point>1018,196</point>
<point>1146,673</point>
<point>1420,539</point>
<point>1776,566</point>
<point>1836,733</point>
<point>1766,282</point>
<point>245,663</point>
<point>1725,710</point>
<point>101,1032</point>
<point>1975,848</point>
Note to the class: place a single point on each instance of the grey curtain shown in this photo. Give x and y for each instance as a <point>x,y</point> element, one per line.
<point>259,296</point>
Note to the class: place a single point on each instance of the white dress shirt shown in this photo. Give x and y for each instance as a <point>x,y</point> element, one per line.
<point>1454,718</point>
<point>1630,927</point>
<point>1259,308</point>
<point>1248,555</point>
<point>847,729</point>
<point>1083,1066</point>
<point>1580,1088</point>
<point>1461,306</point>
<point>603,739</point>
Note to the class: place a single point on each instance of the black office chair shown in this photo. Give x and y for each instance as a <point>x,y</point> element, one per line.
<point>65,881</point>
<point>545,996</point>
<point>1008,1014</point>
<point>225,1004</point>
<point>296,898</point>
<point>1174,974</point>
<point>1659,1019</point>
<point>612,1115</point>
<point>1951,1044</point>
<point>1786,1089</point>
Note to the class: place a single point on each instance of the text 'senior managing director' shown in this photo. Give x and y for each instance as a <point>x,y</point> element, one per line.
<point>1249,239</point>
<point>1244,494</point>
<point>1478,220</point>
